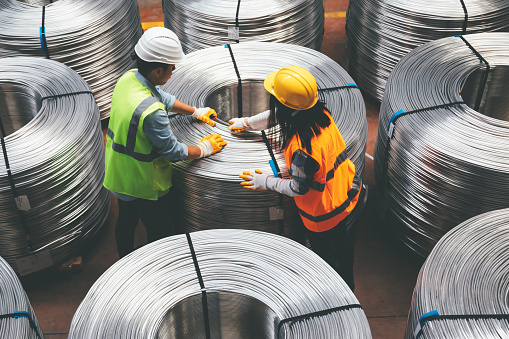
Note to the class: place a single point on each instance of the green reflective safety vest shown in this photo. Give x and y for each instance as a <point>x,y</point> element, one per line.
<point>133,167</point>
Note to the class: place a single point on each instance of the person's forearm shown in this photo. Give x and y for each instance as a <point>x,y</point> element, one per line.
<point>193,152</point>
<point>180,107</point>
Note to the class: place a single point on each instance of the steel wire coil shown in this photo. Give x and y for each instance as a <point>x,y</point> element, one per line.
<point>205,23</point>
<point>94,38</point>
<point>210,187</point>
<point>444,165</point>
<point>55,150</point>
<point>14,299</point>
<point>381,32</point>
<point>452,282</point>
<point>253,280</point>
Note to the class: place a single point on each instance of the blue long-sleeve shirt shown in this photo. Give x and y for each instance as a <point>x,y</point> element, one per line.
<point>157,128</point>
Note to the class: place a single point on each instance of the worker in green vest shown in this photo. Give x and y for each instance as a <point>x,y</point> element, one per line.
<point>140,145</point>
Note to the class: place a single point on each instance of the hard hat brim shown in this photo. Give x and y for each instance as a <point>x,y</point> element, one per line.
<point>269,82</point>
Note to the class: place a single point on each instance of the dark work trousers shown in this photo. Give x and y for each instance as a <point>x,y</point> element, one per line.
<point>335,247</point>
<point>160,218</point>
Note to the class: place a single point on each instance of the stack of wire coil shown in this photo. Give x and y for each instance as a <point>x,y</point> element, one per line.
<point>458,296</point>
<point>445,162</point>
<point>206,23</point>
<point>94,38</point>
<point>220,284</point>
<point>17,318</point>
<point>381,32</point>
<point>210,187</point>
<point>55,151</point>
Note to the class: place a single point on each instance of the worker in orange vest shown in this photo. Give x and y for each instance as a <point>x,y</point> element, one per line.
<point>323,179</point>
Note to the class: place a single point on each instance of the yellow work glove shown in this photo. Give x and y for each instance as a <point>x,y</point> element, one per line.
<point>205,114</point>
<point>254,181</point>
<point>211,144</point>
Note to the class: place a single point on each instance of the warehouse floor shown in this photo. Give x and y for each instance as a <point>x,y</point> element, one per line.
<point>385,273</point>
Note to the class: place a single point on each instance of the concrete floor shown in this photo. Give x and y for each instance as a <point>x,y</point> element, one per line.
<point>385,273</point>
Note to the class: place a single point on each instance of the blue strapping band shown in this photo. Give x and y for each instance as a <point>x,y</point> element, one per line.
<point>274,170</point>
<point>422,321</point>
<point>352,85</point>
<point>390,127</point>
<point>42,36</point>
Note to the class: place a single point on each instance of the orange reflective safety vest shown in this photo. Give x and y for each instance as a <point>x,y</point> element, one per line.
<point>335,189</point>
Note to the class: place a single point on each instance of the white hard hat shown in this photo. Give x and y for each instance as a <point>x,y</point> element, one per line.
<point>159,44</point>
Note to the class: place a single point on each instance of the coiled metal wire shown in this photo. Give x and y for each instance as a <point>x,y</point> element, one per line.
<point>467,274</point>
<point>14,299</point>
<point>444,165</point>
<point>94,38</point>
<point>55,150</point>
<point>210,187</point>
<point>253,280</point>
<point>206,23</point>
<point>381,32</point>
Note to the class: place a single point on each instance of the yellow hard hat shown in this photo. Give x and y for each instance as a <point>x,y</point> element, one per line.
<point>293,86</point>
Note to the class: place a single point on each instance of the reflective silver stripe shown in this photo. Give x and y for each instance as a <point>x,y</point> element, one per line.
<point>339,160</point>
<point>122,149</point>
<point>135,122</point>
<point>352,193</point>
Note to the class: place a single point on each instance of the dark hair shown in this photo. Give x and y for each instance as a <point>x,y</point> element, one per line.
<point>145,67</point>
<point>305,124</point>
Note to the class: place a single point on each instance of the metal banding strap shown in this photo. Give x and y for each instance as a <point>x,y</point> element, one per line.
<point>202,287</point>
<point>239,81</point>
<point>352,193</point>
<point>484,79</point>
<point>42,34</point>
<point>339,160</point>
<point>66,94</point>
<point>23,314</point>
<point>466,17</point>
<point>133,131</point>
<point>434,315</point>
<point>316,314</point>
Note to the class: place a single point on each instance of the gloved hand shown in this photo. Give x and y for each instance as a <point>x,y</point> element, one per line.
<point>205,114</point>
<point>211,144</point>
<point>254,181</point>
<point>238,125</point>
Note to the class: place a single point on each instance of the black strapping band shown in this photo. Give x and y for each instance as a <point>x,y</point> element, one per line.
<point>278,172</point>
<point>484,79</point>
<point>239,84</point>
<point>65,94</point>
<point>13,187</point>
<point>315,314</point>
<point>44,43</point>
<point>23,315</point>
<point>433,315</point>
<point>390,129</point>
<point>237,15</point>
<point>466,17</point>
<point>202,287</point>
<point>401,113</point>
<point>349,86</point>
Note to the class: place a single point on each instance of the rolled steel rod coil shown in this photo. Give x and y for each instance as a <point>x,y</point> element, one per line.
<point>251,280</point>
<point>206,23</point>
<point>55,149</point>
<point>94,38</point>
<point>13,299</point>
<point>444,164</point>
<point>381,32</point>
<point>210,187</point>
<point>466,274</point>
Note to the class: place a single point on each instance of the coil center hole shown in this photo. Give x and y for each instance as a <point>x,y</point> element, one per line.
<point>231,315</point>
<point>224,100</point>
<point>17,106</point>
<point>494,100</point>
